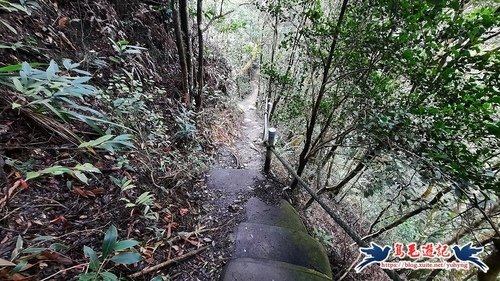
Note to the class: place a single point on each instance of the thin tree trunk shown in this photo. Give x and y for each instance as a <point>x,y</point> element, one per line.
<point>186,36</point>
<point>199,19</point>
<point>314,114</point>
<point>409,215</point>
<point>297,37</point>
<point>273,52</point>
<point>336,189</point>
<point>181,51</point>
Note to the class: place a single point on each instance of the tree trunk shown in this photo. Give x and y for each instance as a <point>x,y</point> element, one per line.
<point>181,51</point>
<point>314,114</point>
<point>199,19</point>
<point>186,35</point>
<point>493,262</point>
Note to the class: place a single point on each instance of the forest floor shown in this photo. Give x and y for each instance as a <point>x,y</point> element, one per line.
<point>47,222</point>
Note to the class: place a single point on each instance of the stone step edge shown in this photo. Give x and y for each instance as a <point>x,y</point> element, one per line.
<point>269,262</point>
<point>306,235</point>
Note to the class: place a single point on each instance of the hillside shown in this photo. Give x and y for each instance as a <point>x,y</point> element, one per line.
<point>94,135</point>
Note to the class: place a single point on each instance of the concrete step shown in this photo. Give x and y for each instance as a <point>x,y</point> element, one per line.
<point>234,181</point>
<point>250,269</point>
<point>281,244</point>
<point>281,214</point>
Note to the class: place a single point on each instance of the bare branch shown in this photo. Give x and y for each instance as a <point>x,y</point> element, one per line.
<point>409,215</point>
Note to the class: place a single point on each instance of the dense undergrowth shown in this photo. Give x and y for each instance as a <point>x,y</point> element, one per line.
<point>94,144</point>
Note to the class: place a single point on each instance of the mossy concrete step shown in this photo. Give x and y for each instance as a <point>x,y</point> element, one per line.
<point>250,269</point>
<point>280,244</point>
<point>281,214</point>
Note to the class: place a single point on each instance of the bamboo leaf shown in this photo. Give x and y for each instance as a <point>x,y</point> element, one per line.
<point>109,241</point>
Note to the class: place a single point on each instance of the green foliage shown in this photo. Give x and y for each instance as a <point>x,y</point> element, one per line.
<point>110,142</point>
<point>123,163</point>
<point>146,200</point>
<point>231,25</point>
<point>76,171</point>
<point>23,6</point>
<point>13,47</point>
<point>186,125</point>
<point>118,252</point>
<point>123,47</point>
<point>55,92</point>
<point>323,237</point>
<point>124,184</point>
<point>414,81</point>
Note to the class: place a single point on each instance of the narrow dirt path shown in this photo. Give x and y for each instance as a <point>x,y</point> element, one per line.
<point>248,147</point>
<point>222,198</point>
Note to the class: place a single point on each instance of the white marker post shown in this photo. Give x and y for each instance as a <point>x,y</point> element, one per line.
<point>271,138</point>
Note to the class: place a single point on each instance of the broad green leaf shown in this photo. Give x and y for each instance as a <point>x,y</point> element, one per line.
<point>33,250</point>
<point>67,64</point>
<point>21,266</point>
<point>96,142</point>
<point>494,129</point>
<point>81,176</point>
<point>26,68</point>
<point>19,7</point>
<point>81,80</point>
<point>125,244</point>
<point>58,247</point>
<point>56,170</point>
<point>87,167</point>
<point>109,242</point>
<point>12,29</point>
<point>32,175</point>
<point>48,103</point>
<point>127,258</point>
<point>92,276</point>
<point>85,118</point>
<point>83,72</point>
<point>17,84</point>
<point>10,68</point>
<point>94,262</point>
<point>43,238</point>
<point>108,276</point>
<point>18,248</point>
<point>15,105</point>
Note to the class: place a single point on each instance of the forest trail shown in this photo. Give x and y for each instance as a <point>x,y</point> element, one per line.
<point>248,146</point>
<point>267,239</point>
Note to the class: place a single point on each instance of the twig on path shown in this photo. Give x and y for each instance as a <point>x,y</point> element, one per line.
<point>167,263</point>
<point>350,268</point>
<point>64,270</point>
<point>9,191</point>
<point>189,234</point>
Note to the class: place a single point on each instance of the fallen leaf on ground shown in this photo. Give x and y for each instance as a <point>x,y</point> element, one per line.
<point>183,211</point>
<point>59,219</point>
<point>55,256</point>
<point>6,263</point>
